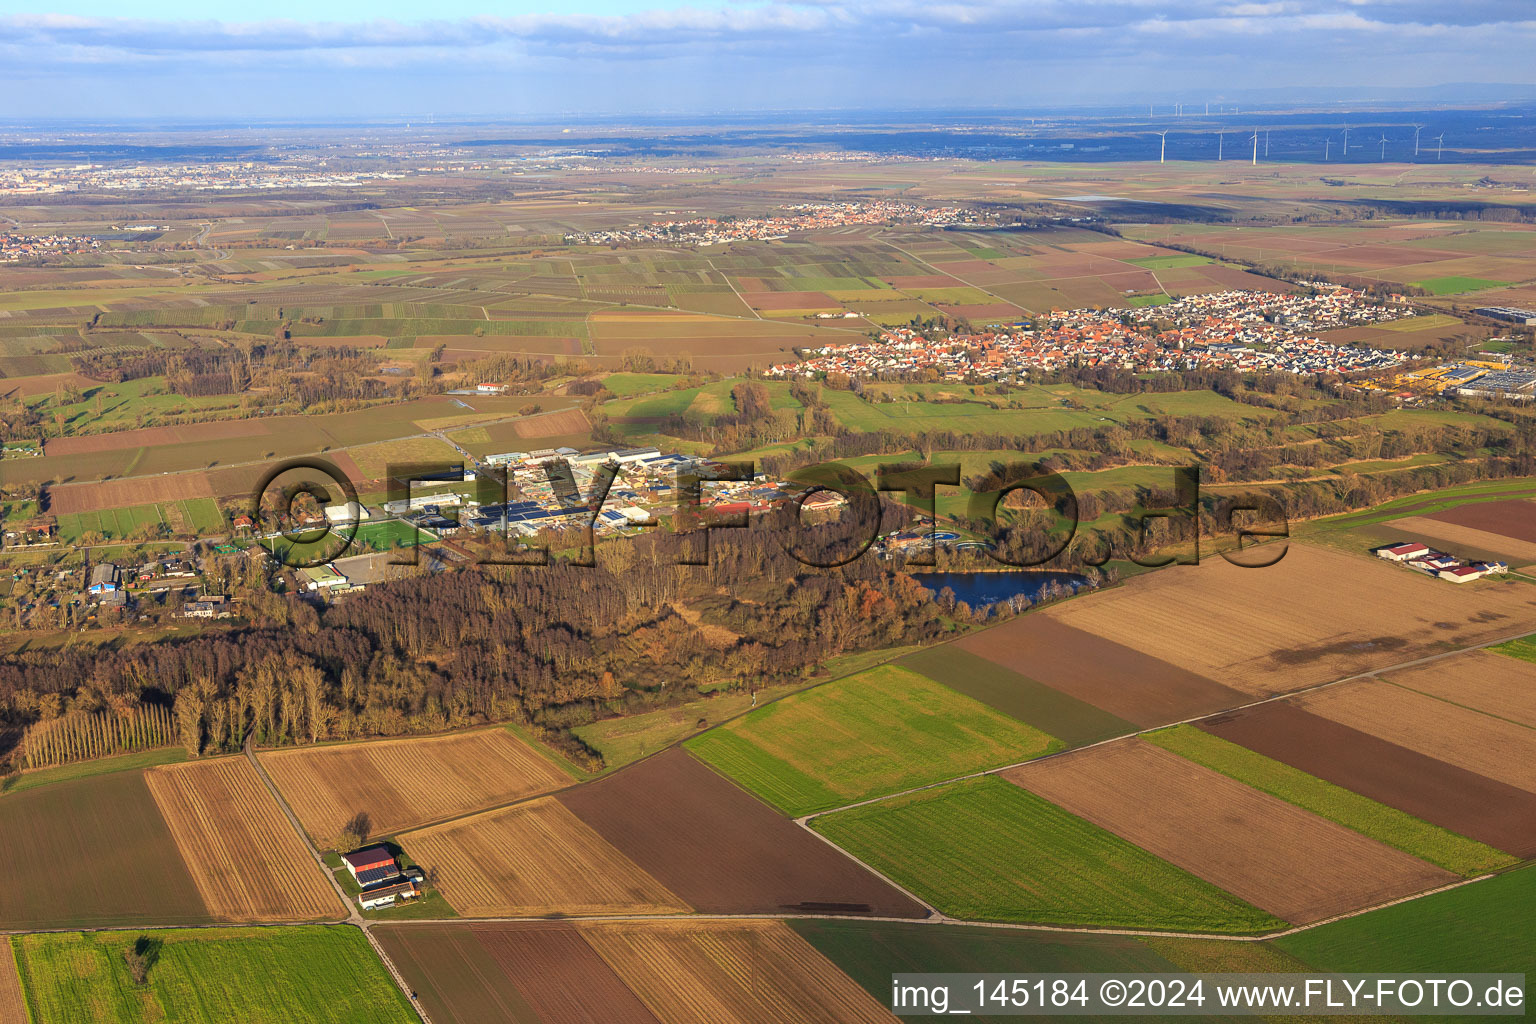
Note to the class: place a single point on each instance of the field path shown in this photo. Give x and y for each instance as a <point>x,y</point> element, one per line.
<point>354,915</point>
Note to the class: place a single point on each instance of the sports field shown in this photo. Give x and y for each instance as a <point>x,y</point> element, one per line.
<point>303,975</point>
<point>878,732</point>
<point>986,850</point>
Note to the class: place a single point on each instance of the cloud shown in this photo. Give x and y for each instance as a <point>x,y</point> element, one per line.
<point>889,51</point>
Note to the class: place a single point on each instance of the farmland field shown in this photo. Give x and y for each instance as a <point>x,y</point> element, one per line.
<point>1457,800</point>
<point>1478,927</point>
<point>1492,683</point>
<point>651,972</point>
<point>1465,541</point>
<point>534,859</point>
<point>1051,711</point>
<point>517,973</point>
<point>1513,519</point>
<point>246,861</point>
<point>1456,285</point>
<point>987,850</point>
<point>1364,815</point>
<point>13,1004</point>
<point>1275,855</point>
<point>751,972</point>
<point>405,782</point>
<point>1121,682</point>
<point>1491,747</point>
<point>881,731</point>
<point>324,975</point>
<point>1315,616</point>
<point>90,852</point>
<point>871,951</point>
<point>720,849</point>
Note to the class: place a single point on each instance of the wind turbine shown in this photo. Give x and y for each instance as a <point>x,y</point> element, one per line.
<point>1162,152</point>
<point>1221,138</point>
<point>1266,143</point>
<point>1416,129</point>
<point>1440,147</point>
<point>1327,148</point>
<point>1255,147</point>
<point>1383,147</point>
<point>1346,140</point>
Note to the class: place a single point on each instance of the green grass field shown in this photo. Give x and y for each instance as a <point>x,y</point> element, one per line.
<point>202,515</point>
<point>386,535</point>
<point>869,952</point>
<point>1170,262</point>
<point>1070,720</point>
<point>1382,823</point>
<point>1523,648</point>
<point>325,975</point>
<point>1456,285</point>
<point>85,769</point>
<point>988,850</point>
<point>113,524</point>
<point>626,739</point>
<point>1483,926</point>
<point>878,732</point>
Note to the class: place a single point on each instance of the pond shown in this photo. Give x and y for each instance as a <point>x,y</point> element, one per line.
<point>979,589</point>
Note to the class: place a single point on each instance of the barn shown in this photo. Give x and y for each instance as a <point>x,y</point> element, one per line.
<point>371,865</point>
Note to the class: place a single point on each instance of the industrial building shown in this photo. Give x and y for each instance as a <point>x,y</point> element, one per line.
<point>1510,314</point>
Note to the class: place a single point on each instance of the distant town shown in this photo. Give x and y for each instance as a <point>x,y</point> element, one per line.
<point>15,248</point>
<point>1238,330</point>
<point>799,217</point>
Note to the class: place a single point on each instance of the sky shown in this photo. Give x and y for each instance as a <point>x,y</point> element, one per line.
<point>386,58</point>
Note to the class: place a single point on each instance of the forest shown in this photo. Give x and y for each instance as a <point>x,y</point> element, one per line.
<point>548,646</point>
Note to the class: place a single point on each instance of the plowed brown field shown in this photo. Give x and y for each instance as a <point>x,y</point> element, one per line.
<point>1464,540</point>
<point>1515,519</point>
<point>1271,853</point>
<point>245,858</point>
<point>400,783</point>
<point>1492,683</point>
<point>144,490</point>
<point>531,860</point>
<point>722,850</point>
<point>1110,676</point>
<point>554,424</point>
<point>747,972</point>
<point>514,973</point>
<point>1442,794</point>
<point>1479,743</point>
<point>1318,615</point>
<point>144,437</point>
<point>13,1006</point>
